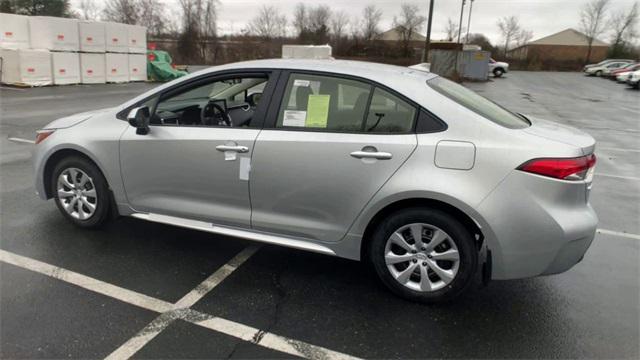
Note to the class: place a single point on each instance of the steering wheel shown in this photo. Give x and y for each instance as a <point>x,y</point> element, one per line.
<point>214,114</point>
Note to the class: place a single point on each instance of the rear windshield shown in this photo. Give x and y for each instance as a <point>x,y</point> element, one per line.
<point>478,104</point>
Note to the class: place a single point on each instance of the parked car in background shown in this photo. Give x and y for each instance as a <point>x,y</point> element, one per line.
<point>498,68</point>
<point>613,75</point>
<point>634,79</point>
<point>605,62</point>
<point>403,169</point>
<point>605,69</point>
<point>623,77</point>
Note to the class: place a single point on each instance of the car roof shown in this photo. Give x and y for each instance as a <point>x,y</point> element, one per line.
<point>408,82</point>
<point>382,73</point>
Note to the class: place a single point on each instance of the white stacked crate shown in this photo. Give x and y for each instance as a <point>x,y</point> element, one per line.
<point>26,67</point>
<point>14,31</point>
<point>137,39</point>
<point>117,67</point>
<point>92,36</point>
<point>65,67</point>
<point>92,68</point>
<point>137,67</point>
<point>117,37</point>
<point>53,33</point>
<point>60,36</point>
<point>87,52</point>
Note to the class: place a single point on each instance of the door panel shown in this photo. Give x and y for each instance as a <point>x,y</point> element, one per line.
<point>308,184</point>
<point>179,171</point>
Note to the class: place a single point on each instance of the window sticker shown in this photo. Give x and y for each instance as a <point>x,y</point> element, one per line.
<point>317,111</point>
<point>294,118</point>
<point>299,82</point>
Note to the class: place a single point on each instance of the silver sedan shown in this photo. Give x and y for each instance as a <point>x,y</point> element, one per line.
<point>435,186</point>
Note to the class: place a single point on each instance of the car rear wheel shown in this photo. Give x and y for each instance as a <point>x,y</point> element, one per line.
<point>424,255</point>
<point>498,72</point>
<point>598,73</point>
<point>81,192</point>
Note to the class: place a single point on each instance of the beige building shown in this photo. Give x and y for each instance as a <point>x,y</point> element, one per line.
<point>395,34</point>
<point>566,45</point>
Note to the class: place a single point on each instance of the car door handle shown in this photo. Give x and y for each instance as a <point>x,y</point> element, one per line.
<point>236,148</point>
<point>371,155</point>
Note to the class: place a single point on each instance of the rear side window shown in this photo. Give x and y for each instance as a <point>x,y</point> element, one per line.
<point>389,114</point>
<point>477,103</point>
<point>314,102</point>
<point>324,102</point>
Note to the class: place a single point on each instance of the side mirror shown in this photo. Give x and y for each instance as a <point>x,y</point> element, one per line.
<point>254,98</point>
<point>139,118</point>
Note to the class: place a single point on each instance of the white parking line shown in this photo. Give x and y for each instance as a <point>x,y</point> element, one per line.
<point>216,278</point>
<point>262,338</point>
<point>95,285</point>
<point>20,140</point>
<point>171,312</point>
<point>139,340</point>
<point>618,233</point>
<point>143,337</point>
<point>619,177</point>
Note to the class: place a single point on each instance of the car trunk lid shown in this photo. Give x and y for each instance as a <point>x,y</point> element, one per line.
<point>561,133</point>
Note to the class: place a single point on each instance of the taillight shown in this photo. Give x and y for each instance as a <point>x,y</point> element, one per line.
<point>579,168</point>
<point>43,134</point>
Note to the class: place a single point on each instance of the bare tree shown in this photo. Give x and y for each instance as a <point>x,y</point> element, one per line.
<point>319,18</point>
<point>300,20</point>
<point>523,37</point>
<point>122,11</point>
<point>592,21</point>
<point>509,28</point>
<point>355,29</point>
<point>624,29</point>
<point>339,24</point>
<point>408,24</point>
<point>89,10</point>
<point>451,29</point>
<point>371,17</point>
<point>209,19</point>
<point>153,16</point>
<point>199,29</point>
<point>269,23</point>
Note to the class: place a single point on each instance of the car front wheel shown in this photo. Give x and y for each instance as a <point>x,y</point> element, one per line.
<point>424,255</point>
<point>81,192</point>
<point>498,72</point>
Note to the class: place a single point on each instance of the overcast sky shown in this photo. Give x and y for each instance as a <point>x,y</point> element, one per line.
<point>543,17</point>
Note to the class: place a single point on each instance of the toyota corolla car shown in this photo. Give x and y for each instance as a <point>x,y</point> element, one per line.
<point>432,184</point>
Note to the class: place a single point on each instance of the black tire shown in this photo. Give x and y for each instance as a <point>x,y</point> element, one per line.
<point>598,73</point>
<point>103,204</point>
<point>498,72</point>
<point>463,239</point>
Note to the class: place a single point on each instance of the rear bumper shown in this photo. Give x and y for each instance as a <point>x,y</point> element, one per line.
<point>538,226</point>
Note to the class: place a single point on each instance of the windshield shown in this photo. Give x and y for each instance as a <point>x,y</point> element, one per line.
<point>478,104</point>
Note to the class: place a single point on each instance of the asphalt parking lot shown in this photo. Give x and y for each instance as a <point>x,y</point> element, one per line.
<point>154,291</point>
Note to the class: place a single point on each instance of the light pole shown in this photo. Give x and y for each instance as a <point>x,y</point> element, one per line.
<point>427,41</point>
<point>469,21</point>
<point>460,22</point>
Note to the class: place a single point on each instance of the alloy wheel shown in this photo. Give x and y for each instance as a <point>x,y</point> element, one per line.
<point>422,257</point>
<point>77,193</point>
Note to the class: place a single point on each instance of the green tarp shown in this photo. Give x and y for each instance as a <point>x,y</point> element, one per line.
<point>159,66</point>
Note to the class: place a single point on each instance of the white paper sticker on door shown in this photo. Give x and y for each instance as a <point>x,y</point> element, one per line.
<point>245,168</point>
<point>294,118</point>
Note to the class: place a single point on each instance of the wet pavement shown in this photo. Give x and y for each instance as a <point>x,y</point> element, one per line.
<point>327,303</point>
